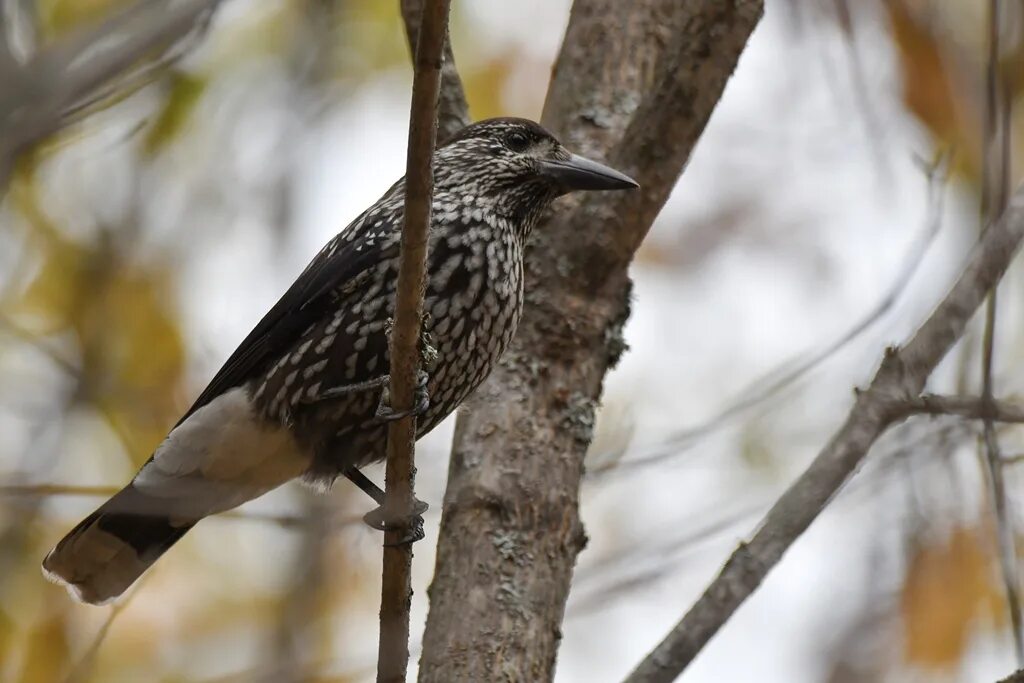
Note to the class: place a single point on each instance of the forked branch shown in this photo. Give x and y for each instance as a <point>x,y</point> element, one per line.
<point>893,395</point>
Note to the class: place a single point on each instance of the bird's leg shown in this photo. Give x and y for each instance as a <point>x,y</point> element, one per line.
<point>378,518</point>
<point>346,389</point>
<point>428,360</point>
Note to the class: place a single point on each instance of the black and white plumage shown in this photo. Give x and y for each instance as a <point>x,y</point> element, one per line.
<point>298,398</point>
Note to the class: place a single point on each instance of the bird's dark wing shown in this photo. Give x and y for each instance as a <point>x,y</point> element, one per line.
<point>341,262</point>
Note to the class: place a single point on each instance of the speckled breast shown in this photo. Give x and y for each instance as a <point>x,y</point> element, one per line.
<point>473,302</point>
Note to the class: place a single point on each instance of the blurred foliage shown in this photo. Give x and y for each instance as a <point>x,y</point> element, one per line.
<point>942,51</point>
<point>184,92</point>
<point>46,648</point>
<point>58,17</point>
<point>130,349</point>
<point>107,313</point>
<point>951,588</point>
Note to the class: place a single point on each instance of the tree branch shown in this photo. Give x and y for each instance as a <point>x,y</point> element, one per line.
<point>396,591</point>
<point>900,379</point>
<point>1015,677</point>
<point>972,407</point>
<point>453,111</point>
<point>510,528</point>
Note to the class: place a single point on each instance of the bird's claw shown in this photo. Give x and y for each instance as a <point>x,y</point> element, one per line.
<point>413,525</point>
<point>428,352</point>
<point>385,413</point>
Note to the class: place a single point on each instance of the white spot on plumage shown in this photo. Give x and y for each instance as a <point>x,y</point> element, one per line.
<point>313,369</point>
<point>324,344</point>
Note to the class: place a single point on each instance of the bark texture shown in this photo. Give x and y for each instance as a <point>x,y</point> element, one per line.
<point>635,84</point>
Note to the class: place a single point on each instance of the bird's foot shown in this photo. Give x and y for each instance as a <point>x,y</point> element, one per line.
<point>428,352</point>
<point>378,518</point>
<point>412,526</point>
<point>385,413</point>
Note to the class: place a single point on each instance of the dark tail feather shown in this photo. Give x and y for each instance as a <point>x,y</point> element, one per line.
<point>111,548</point>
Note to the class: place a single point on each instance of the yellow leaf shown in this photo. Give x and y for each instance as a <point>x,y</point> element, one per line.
<point>931,90</point>
<point>60,16</point>
<point>185,93</point>
<point>46,657</point>
<point>948,589</point>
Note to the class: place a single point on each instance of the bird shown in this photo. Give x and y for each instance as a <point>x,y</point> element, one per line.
<point>304,396</point>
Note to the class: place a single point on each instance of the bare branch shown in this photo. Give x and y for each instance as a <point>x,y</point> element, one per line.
<point>453,111</point>
<point>901,377</point>
<point>396,591</point>
<point>973,407</point>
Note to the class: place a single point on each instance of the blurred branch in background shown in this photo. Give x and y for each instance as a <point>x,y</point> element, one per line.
<point>995,192</point>
<point>875,134</point>
<point>44,93</point>
<point>762,390</point>
<point>889,398</point>
<point>452,109</point>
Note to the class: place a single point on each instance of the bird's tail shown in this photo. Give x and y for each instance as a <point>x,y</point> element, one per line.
<point>101,557</point>
<point>220,457</point>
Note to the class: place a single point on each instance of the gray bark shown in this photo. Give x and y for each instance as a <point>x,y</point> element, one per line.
<point>635,84</point>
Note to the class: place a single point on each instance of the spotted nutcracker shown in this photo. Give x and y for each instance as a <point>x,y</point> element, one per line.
<point>304,395</point>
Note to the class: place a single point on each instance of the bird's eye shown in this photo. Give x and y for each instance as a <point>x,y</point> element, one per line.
<point>517,142</point>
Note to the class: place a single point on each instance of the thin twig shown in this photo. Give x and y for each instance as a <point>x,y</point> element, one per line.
<point>978,408</point>
<point>995,190</point>
<point>901,377</point>
<point>452,109</point>
<point>396,589</point>
<point>874,129</point>
<point>56,490</point>
<point>283,520</point>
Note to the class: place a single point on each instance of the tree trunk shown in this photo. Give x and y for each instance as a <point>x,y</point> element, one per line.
<point>635,84</point>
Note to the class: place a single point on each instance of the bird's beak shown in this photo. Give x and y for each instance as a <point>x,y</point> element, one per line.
<point>578,173</point>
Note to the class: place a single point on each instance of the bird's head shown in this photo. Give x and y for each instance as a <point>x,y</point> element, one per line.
<point>518,167</point>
